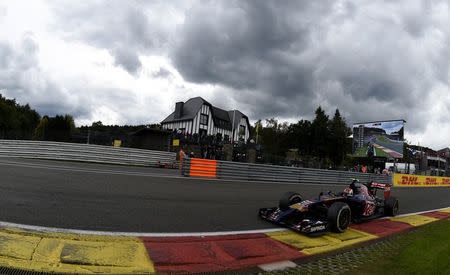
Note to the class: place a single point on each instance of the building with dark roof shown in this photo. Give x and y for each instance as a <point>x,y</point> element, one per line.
<point>429,161</point>
<point>198,116</point>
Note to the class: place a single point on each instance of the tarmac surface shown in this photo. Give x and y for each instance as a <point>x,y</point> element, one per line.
<point>140,199</point>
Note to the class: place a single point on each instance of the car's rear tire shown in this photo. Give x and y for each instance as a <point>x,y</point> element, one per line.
<point>288,199</point>
<point>339,217</point>
<point>391,206</point>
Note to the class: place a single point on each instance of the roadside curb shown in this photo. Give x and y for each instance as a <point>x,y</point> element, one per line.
<point>57,252</point>
<point>72,253</point>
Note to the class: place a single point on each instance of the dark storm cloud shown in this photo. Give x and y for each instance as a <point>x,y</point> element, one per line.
<point>127,58</point>
<point>293,54</point>
<point>248,45</point>
<point>283,58</point>
<point>373,60</point>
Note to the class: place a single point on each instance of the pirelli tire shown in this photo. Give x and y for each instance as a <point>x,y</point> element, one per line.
<point>339,217</point>
<point>288,199</point>
<point>391,206</point>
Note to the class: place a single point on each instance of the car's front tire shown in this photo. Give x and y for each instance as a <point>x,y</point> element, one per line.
<point>391,206</point>
<point>288,199</point>
<point>339,217</point>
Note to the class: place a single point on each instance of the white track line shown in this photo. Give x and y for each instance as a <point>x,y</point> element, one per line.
<point>85,170</point>
<point>416,213</point>
<point>139,234</point>
<point>133,234</point>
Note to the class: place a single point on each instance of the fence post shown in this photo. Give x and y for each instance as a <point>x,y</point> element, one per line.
<point>185,167</point>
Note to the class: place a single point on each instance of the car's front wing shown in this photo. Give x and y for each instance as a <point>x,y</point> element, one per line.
<point>294,220</point>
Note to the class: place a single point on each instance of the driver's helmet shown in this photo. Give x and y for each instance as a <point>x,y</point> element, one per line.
<point>356,186</point>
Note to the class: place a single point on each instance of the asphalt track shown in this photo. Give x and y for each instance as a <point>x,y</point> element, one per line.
<point>138,199</point>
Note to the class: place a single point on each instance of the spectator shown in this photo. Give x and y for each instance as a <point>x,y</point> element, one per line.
<point>364,169</point>
<point>202,152</point>
<point>182,156</point>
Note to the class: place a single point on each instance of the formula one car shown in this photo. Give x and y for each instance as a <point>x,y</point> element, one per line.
<point>332,212</point>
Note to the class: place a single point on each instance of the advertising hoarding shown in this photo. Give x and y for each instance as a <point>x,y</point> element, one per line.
<point>419,181</point>
<point>379,139</point>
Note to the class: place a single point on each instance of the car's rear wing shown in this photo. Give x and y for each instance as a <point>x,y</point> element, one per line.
<point>379,185</point>
<point>382,186</point>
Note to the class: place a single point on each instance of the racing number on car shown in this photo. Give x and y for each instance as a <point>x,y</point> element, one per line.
<point>369,208</point>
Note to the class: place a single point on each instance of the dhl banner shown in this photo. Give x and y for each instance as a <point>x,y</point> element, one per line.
<point>402,180</point>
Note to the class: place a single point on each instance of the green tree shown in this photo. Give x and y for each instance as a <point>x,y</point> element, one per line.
<point>338,141</point>
<point>320,134</point>
<point>98,125</point>
<point>58,128</point>
<point>275,140</point>
<point>41,129</point>
<point>258,128</point>
<point>16,121</point>
<point>269,136</point>
<point>301,136</point>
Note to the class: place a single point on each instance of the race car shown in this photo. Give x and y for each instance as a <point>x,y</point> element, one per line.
<point>332,212</point>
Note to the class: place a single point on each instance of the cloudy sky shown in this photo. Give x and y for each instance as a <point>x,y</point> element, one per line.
<point>130,61</point>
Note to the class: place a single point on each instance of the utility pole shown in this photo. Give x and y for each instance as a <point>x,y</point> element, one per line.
<point>234,116</point>
<point>257,132</point>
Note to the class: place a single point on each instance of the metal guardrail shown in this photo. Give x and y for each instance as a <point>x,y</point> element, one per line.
<point>84,152</point>
<point>272,173</point>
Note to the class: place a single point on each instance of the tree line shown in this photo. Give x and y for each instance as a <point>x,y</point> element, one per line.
<point>22,122</point>
<point>17,121</point>
<point>100,134</point>
<point>323,138</point>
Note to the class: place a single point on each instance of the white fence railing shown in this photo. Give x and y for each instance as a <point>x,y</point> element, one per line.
<point>84,152</point>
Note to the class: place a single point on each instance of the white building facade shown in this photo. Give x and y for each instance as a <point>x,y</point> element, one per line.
<point>197,116</point>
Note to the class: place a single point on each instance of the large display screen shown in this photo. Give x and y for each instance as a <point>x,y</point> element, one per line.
<point>379,139</point>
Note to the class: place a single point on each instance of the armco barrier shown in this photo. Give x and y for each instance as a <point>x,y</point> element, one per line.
<point>262,172</point>
<point>84,153</point>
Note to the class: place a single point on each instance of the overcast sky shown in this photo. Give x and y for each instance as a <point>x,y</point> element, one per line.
<point>130,61</point>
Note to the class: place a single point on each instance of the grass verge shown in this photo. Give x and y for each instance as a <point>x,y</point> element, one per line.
<point>422,251</point>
